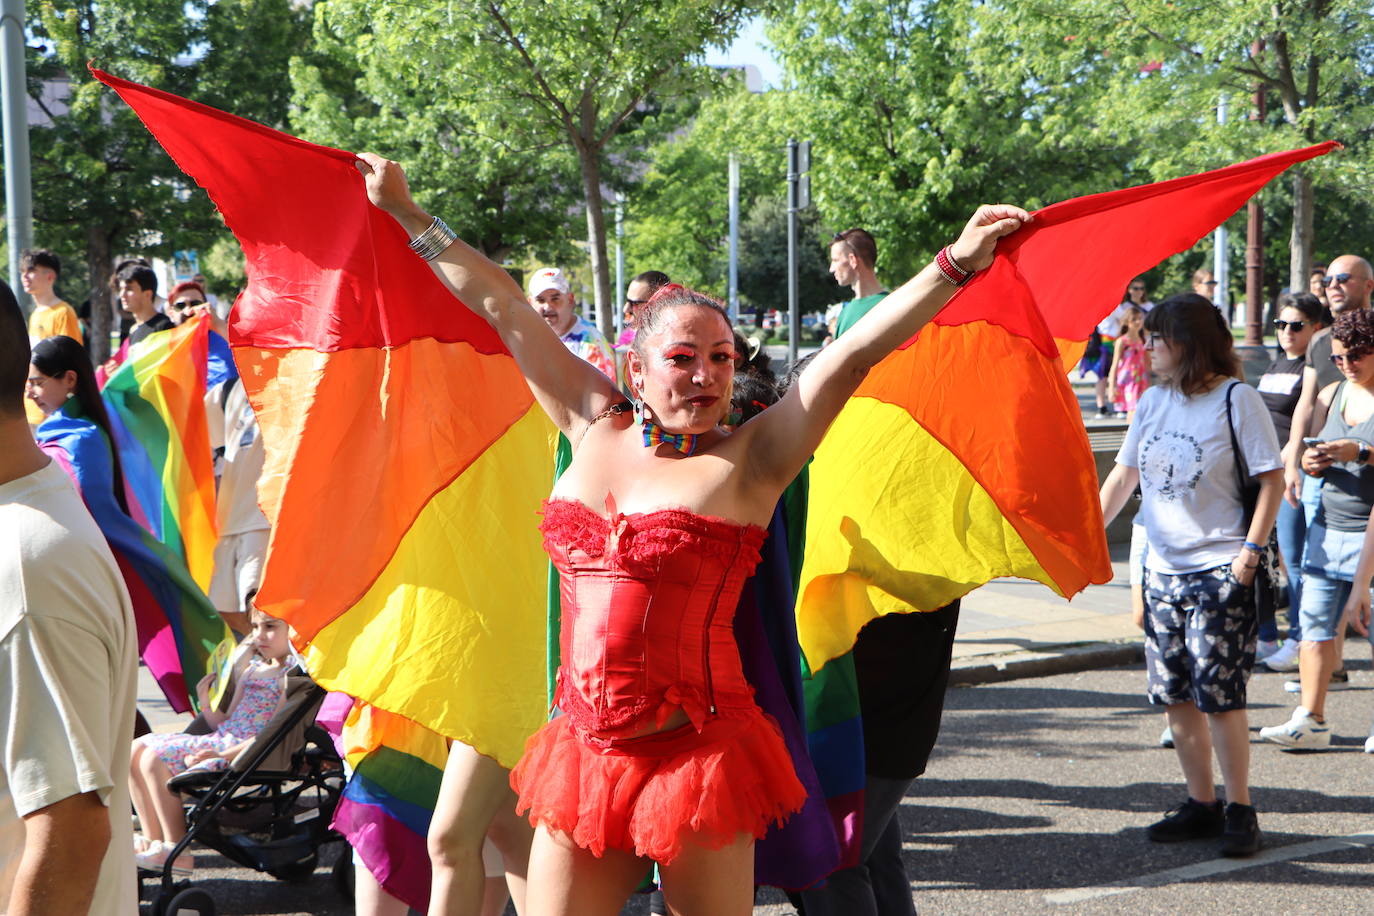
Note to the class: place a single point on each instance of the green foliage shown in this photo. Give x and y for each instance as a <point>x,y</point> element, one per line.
<point>527,81</point>
<point>914,124</point>
<point>763,259</point>
<point>101,185</point>
<point>360,90</point>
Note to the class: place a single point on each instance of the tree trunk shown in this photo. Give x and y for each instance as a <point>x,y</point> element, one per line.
<point>596,238</point>
<point>1300,244</point>
<point>99,264</point>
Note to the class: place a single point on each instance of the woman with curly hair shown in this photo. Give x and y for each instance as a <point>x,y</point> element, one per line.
<point>1333,574</point>
<point>1202,558</point>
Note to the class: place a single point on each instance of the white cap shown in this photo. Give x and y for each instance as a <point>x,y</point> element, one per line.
<point>547,278</point>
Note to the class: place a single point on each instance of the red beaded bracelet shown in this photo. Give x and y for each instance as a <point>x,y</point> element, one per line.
<point>950,269</point>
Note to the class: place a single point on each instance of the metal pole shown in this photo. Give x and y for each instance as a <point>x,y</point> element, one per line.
<point>793,317</point>
<point>18,188</point>
<point>734,239</point>
<point>1254,241</point>
<point>619,264</point>
<point>1221,260</point>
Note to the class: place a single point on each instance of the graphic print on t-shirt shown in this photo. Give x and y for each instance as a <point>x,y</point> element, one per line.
<point>1171,464</point>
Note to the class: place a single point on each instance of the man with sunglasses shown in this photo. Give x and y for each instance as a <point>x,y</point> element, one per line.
<point>185,296</point>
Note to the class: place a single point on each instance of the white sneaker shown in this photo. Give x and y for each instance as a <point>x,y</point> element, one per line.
<point>1166,737</point>
<point>1369,745</point>
<point>1266,647</point>
<point>1340,680</point>
<point>1284,658</point>
<point>1301,732</point>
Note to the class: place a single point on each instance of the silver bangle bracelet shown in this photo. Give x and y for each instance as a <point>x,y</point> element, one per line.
<point>434,240</point>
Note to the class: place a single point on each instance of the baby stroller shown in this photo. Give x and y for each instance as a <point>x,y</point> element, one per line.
<point>270,810</point>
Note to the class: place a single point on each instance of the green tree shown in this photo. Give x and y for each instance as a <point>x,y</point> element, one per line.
<point>1160,69</point>
<point>763,259</point>
<point>579,73</point>
<point>501,196</point>
<point>101,184</point>
<point>915,124</point>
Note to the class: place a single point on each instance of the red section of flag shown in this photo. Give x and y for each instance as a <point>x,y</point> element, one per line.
<point>1060,275</point>
<point>327,270</point>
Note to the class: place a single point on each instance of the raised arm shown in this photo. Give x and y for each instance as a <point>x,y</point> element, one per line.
<point>568,388</point>
<point>783,437</point>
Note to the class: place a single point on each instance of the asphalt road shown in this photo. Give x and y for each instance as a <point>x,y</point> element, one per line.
<point>1037,799</point>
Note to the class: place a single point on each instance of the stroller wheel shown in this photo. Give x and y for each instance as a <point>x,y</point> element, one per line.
<point>184,902</point>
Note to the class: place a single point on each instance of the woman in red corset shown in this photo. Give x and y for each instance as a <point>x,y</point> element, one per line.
<point>662,753</point>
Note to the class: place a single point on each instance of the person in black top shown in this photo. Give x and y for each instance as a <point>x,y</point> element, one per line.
<point>137,290</point>
<point>1281,386</point>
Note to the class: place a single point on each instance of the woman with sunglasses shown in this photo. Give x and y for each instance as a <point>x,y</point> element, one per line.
<point>1332,573</point>
<point>1202,557</point>
<point>1300,316</point>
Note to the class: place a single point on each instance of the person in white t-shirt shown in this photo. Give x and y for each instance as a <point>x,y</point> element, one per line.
<point>68,668</point>
<point>1200,624</point>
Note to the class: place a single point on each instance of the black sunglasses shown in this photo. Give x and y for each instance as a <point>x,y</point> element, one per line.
<point>1333,279</point>
<point>1354,356</point>
<point>183,304</point>
<point>1290,325</point>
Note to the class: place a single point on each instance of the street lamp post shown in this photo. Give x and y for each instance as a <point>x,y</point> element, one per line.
<point>18,189</point>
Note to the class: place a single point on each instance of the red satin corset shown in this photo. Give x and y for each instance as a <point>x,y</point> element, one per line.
<point>648,604</point>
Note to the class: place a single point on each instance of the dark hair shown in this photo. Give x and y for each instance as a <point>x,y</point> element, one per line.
<point>14,354</point>
<point>750,396</point>
<point>1199,335</point>
<point>1126,293</point>
<point>40,257</point>
<point>1355,330</point>
<point>759,364</point>
<point>860,244</point>
<point>794,372</point>
<point>138,273</point>
<point>649,316</point>
<point>1306,303</point>
<point>56,356</point>
<point>654,279</point>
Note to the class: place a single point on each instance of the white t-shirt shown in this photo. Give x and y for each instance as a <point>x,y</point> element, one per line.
<point>68,665</point>
<point>235,426</point>
<point>1191,506</point>
<point>1112,325</point>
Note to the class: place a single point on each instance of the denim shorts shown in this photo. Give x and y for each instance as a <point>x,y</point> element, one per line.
<point>1331,553</point>
<point>1200,635</point>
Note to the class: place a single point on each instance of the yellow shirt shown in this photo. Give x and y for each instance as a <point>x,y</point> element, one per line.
<point>52,321</point>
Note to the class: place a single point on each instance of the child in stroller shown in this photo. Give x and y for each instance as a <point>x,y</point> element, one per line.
<point>156,758</point>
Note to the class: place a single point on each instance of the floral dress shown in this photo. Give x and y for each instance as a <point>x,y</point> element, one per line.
<point>1132,378</point>
<point>259,695</point>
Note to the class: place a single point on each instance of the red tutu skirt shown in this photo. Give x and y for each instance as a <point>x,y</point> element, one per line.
<point>650,795</point>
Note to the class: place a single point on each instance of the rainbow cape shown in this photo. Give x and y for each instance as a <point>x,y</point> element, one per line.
<point>177,627</point>
<point>963,457</point>
<point>156,402</point>
<point>406,458</point>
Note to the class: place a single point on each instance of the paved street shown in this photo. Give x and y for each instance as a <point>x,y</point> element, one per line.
<point>1037,799</point>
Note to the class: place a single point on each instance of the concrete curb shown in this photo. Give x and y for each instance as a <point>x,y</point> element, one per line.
<point>1066,660</point>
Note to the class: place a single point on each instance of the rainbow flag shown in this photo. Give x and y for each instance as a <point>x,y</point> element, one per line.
<point>387,805</point>
<point>406,458</point>
<point>156,402</point>
<point>963,457</point>
<point>177,627</point>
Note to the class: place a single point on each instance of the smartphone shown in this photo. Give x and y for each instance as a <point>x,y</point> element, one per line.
<point>1312,443</point>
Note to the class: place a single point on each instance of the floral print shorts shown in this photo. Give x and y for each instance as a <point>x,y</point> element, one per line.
<point>1200,634</point>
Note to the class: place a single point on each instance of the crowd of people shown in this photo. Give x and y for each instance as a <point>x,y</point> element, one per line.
<point>1252,499</point>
